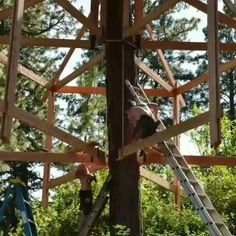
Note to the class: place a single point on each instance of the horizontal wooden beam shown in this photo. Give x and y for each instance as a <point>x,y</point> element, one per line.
<point>224,19</point>
<point>164,135</point>
<point>204,77</point>
<point>79,16</point>
<point>203,161</point>
<point>152,74</point>
<point>190,46</point>
<point>85,67</point>
<point>46,157</point>
<point>5,13</point>
<point>26,72</point>
<point>102,91</point>
<point>55,43</point>
<point>157,179</point>
<point>152,158</point>
<point>156,13</point>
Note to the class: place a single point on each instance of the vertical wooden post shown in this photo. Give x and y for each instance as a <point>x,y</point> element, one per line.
<point>48,146</point>
<point>124,205</point>
<point>13,56</point>
<point>176,110</point>
<point>213,62</point>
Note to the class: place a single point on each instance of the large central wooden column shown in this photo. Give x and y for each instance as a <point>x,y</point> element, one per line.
<point>124,191</point>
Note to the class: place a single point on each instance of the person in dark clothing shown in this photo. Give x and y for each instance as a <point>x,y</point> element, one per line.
<point>143,119</point>
<point>85,193</point>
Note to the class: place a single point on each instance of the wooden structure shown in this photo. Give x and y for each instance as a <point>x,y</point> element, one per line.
<point>97,25</point>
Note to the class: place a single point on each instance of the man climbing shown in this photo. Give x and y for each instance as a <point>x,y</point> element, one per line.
<point>143,120</point>
<point>85,193</point>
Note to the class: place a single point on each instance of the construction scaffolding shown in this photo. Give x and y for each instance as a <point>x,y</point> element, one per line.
<point>119,42</point>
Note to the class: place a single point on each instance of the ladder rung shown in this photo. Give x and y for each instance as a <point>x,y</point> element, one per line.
<point>210,209</point>
<point>193,182</point>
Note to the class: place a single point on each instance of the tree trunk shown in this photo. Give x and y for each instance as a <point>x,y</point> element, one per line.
<point>124,191</point>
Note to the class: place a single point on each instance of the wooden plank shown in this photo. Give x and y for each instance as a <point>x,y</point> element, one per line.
<point>85,67</point>
<point>164,63</point>
<point>156,13</point>
<point>222,17</point>
<point>204,77</point>
<point>46,42</point>
<point>157,179</point>
<point>152,74</point>
<point>49,147</point>
<point>152,158</point>
<point>57,133</point>
<point>47,157</point>
<point>102,91</point>
<point>190,46</point>
<point>14,53</point>
<point>231,6</point>
<point>5,13</point>
<point>213,74</point>
<point>80,17</point>
<point>165,134</point>
<point>26,72</point>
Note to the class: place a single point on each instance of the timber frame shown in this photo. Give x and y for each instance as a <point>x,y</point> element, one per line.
<point>95,23</point>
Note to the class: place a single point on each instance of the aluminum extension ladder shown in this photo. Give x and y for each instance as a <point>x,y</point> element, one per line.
<point>18,191</point>
<point>97,208</point>
<point>187,179</point>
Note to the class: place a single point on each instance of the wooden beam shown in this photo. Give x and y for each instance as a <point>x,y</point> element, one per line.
<point>164,63</point>
<point>190,46</point>
<point>204,161</point>
<point>157,179</point>
<point>46,42</point>
<point>5,13</point>
<point>49,147</point>
<point>165,134</point>
<point>204,77</point>
<point>152,158</point>
<point>157,12</point>
<point>80,17</point>
<point>102,91</point>
<point>213,74</point>
<point>85,67</point>
<point>26,72</point>
<point>57,133</point>
<point>152,74</point>
<point>47,157</point>
<point>231,6</point>
<point>224,19</point>
<point>14,52</point>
